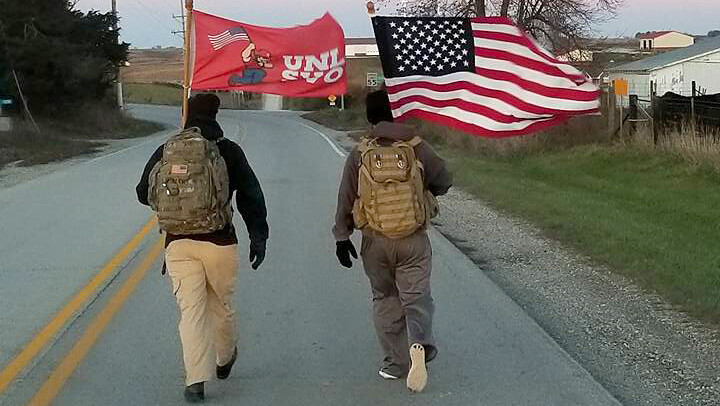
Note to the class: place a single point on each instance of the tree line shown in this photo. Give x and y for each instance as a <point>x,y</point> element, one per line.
<point>64,58</point>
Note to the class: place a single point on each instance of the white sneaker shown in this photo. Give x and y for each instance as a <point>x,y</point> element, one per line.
<point>418,376</point>
<point>386,375</point>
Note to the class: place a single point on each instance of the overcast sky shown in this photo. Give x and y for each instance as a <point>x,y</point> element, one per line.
<point>147,23</point>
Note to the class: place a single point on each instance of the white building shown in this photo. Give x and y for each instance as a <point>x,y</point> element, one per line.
<point>674,71</point>
<point>665,40</point>
<point>361,47</point>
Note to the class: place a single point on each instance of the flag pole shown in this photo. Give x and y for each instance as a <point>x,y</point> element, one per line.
<point>186,48</point>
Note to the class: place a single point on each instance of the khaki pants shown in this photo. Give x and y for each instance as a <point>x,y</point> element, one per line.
<point>399,272</point>
<point>203,279</point>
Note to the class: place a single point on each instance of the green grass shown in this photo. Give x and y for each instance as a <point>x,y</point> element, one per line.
<point>648,215</point>
<point>152,93</point>
<point>342,120</point>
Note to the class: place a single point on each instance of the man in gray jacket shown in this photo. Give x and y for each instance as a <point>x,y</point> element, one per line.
<point>398,268</point>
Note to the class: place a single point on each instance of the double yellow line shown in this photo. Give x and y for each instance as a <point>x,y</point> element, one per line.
<point>72,360</point>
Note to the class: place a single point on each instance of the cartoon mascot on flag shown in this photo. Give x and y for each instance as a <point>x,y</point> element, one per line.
<point>256,61</point>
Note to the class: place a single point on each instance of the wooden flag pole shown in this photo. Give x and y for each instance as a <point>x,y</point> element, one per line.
<point>186,79</point>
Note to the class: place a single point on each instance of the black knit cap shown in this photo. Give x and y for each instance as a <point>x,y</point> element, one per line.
<point>204,105</point>
<point>378,107</point>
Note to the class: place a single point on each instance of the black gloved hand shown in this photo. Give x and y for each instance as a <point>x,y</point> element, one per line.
<point>257,253</point>
<point>343,251</point>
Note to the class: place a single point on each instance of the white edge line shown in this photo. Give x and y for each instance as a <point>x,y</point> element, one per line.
<point>121,151</point>
<point>326,138</point>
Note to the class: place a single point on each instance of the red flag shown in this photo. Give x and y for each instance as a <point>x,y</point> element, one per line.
<point>303,61</point>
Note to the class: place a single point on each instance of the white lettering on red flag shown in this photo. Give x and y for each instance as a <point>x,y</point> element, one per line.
<point>302,61</point>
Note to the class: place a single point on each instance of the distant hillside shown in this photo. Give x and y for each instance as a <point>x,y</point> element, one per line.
<point>153,65</point>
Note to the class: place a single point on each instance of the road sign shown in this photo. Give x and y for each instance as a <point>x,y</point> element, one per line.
<point>332,99</point>
<point>621,87</point>
<point>372,79</point>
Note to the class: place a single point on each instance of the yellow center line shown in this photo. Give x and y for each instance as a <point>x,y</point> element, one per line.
<point>31,350</point>
<point>59,376</point>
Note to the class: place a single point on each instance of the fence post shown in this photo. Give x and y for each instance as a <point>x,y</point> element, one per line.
<point>654,110</point>
<point>611,111</point>
<point>633,113</point>
<point>622,111</point>
<point>692,107</point>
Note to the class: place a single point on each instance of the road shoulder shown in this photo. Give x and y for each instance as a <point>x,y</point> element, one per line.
<point>632,341</point>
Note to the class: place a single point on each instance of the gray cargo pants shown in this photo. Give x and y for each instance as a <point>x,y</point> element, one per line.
<point>399,272</point>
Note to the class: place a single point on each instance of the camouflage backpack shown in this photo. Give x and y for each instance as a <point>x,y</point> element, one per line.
<point>392,199</point>
<point>190,187</point>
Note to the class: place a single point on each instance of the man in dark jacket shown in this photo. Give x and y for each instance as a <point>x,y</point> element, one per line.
<point>203,267</point>
<point>398,268</point>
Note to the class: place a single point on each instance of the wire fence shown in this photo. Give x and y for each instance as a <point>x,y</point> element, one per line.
<point>702,111</point>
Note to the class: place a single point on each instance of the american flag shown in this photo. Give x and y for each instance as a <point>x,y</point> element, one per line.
<point>481,75</point>
<point>227,37</point>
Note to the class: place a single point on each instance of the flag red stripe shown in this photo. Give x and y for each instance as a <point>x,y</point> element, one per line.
<point>477,130</point>
<point>497,94</point>
<point>556,93</point>
<point>500,36</point>
<point>526,63</point>
<point>461,104</point>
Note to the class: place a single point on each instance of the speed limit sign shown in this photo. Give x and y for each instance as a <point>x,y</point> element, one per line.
<point>372,79</point>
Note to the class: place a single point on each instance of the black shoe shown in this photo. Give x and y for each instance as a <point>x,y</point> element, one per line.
<point>195,393</point>
<point>224,371</point>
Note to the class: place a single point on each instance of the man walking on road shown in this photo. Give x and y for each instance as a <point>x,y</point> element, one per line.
<point>189,182</point>
<point>388,191</point>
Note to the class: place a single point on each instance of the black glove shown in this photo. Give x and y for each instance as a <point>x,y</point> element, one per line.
<point>257,253</point>
<point>343,251</point>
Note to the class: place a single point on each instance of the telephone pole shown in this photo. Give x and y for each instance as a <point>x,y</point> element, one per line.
<point>117,36</point>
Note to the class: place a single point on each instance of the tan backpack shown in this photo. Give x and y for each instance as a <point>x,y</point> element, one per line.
<point>392,199</point>
<point>190,186</point>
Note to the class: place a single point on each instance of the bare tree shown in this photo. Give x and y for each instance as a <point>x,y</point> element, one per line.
<point>480,8</point>
<point>504,8</point>
<point>561,24</point>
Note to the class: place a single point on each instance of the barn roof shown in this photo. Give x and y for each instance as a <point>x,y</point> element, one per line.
<point>360,41</point>
<point>662,60</point>
<point>654,34</point>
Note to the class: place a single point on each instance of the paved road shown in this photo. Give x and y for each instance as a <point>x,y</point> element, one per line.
<point>305,326</point>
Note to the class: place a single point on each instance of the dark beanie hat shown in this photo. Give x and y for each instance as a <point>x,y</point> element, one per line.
<point>204,105</point>
<point>378,107</point>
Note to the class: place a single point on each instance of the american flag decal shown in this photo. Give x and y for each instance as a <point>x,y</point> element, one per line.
<point>227,37</point>
<point>482,75</point>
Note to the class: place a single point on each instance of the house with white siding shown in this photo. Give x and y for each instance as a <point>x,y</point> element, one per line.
<point>674,71</point>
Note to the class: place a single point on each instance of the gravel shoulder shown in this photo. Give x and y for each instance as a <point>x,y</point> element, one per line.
<point>632,341</point>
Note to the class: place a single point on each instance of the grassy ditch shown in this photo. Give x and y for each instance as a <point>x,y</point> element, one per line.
<point>341,120</point>
<point>75,135</point>
<point>647,213</point>
<point>153,93</point>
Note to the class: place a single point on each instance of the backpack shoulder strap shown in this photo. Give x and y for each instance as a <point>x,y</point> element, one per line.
<point>415,141</point>
<point>366,144</point>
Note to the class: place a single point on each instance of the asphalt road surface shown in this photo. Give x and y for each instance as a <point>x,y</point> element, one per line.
<point>87,319</point>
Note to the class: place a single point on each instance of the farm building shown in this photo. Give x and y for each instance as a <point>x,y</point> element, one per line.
<point>675,71</point>
<point>665,40</point>
<point>361,47</point>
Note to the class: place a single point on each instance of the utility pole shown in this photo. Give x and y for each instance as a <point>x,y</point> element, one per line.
<point>118,84</point>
